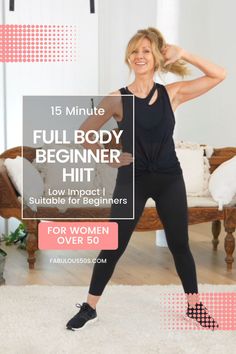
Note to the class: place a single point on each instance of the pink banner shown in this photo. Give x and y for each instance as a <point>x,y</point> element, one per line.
<point>77,235</point>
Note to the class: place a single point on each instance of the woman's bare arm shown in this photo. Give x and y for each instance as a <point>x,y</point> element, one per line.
<point>182,91</point>
<point>112,106</point>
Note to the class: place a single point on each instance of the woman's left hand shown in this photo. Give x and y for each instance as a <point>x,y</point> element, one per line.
<point>171,54</point>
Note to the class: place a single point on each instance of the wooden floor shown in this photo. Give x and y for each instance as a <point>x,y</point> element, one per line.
<point>142,263</point>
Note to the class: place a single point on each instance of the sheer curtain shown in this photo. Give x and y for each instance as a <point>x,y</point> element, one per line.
<point>168,24</point>
<point>35,78</point>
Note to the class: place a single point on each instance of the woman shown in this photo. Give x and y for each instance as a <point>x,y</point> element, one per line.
<point>157,170</point>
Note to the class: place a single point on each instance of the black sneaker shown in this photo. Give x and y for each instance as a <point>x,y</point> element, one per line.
<point>86,315</point>
<point>200,313</point>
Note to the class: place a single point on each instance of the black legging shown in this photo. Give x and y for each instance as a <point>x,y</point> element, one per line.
<point>169,193</point>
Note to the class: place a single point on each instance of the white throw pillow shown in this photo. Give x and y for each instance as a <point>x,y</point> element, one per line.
<point>222,183</point>
<point>52,173</point>
<point>14,170</point>
<point>192,164</point>
<point>33,182</point>
<point>206,152</point>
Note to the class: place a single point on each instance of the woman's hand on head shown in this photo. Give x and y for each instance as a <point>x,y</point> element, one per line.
<point>125,159</point>
<point>171,53</point>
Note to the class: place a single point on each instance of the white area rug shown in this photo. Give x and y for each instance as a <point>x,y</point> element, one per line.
<point>33,318</point>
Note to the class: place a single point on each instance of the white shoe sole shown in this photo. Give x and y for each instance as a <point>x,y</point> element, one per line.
<point>81,328</point>
<point>196,324</point>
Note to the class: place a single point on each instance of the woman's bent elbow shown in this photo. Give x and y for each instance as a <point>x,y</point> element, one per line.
<point>223,74</point>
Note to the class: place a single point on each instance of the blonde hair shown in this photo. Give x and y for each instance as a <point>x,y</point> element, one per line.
<point>157,44</point>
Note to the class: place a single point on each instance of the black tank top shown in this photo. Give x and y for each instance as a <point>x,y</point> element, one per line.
<point>154,127</point>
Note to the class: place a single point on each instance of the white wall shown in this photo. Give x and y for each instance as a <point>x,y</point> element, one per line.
<point>2,113</point>
<point>118,21</point>
<point>59,78</point>
<point>2,89</point>
<point>73,78</point>
<point>205,28</point>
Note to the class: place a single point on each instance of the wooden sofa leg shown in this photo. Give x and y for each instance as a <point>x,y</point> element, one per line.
<point>230,225</point>
<point>229,247</point>
<point>31,242</point>
<point>215,228</point>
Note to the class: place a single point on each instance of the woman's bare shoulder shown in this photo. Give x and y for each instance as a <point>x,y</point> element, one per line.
<point>114,101</point>
<point>114,98</point>
<point>115,93</point>
<point>111,98</point>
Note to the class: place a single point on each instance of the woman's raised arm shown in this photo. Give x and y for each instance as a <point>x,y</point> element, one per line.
<point>182,91</point>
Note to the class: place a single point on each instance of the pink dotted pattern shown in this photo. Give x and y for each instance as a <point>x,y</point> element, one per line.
<point>220,306</point>
<point>38,43</point>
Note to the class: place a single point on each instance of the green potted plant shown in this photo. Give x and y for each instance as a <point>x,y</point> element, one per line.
<point>17,236</point>
<point>2,264</point>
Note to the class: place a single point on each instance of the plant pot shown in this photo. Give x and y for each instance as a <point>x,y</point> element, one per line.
<point>3,255</point>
